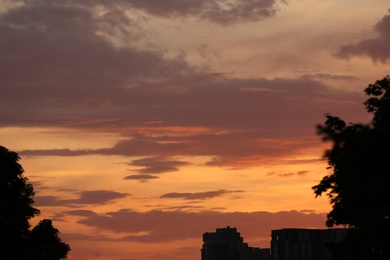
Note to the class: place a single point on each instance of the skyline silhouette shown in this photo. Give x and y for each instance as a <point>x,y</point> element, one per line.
<point>287,243</point>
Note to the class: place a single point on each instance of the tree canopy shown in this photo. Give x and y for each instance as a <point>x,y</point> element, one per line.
<point>358,187</point>
<point>17,240</point>
<point>45,243</point>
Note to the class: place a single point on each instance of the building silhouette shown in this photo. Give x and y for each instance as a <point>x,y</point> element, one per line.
<point>286,244</point>
<point>304,244</point>
<point>227,244</point>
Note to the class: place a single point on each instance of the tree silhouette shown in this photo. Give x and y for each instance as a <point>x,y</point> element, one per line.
<point>358,187</point>
<point>16,199</point>
<point>45,243</point>
<point>17,241</point>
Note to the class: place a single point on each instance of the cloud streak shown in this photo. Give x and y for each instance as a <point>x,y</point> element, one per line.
<point>289,174</point>
<point>141,177</point>
<point>198,195</point>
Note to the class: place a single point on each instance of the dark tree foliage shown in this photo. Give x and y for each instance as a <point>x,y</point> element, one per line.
<point>45,243</point>
<point>359,185</point>
<point>16,200</point>
<point>17,241</point>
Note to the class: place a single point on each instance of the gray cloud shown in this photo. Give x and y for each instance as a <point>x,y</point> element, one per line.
<point>82,212</point>
<point>99,196</point>
<point>56,71</point>
<point>49,201</point>
<point>51,52</point>
<point>198,195</point>
<point>231,149</point>
<point>156,165</point>
<point>226,13</point>
<point>255,111</point>
<point>219,12</point>
<point>141,177</point>
<point>96,197</point>
<point>378,49</point>
<point>278,103</point>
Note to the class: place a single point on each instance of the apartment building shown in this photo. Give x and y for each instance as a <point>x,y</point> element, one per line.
<point>304,244</point>
<point>227,244</point>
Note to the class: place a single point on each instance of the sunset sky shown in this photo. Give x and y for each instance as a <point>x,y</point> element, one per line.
<point>143,124</point>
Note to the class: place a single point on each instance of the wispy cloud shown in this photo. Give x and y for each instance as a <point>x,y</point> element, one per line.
<point>288,174</point>
<point>198,195</point>
<point>141,177</point>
